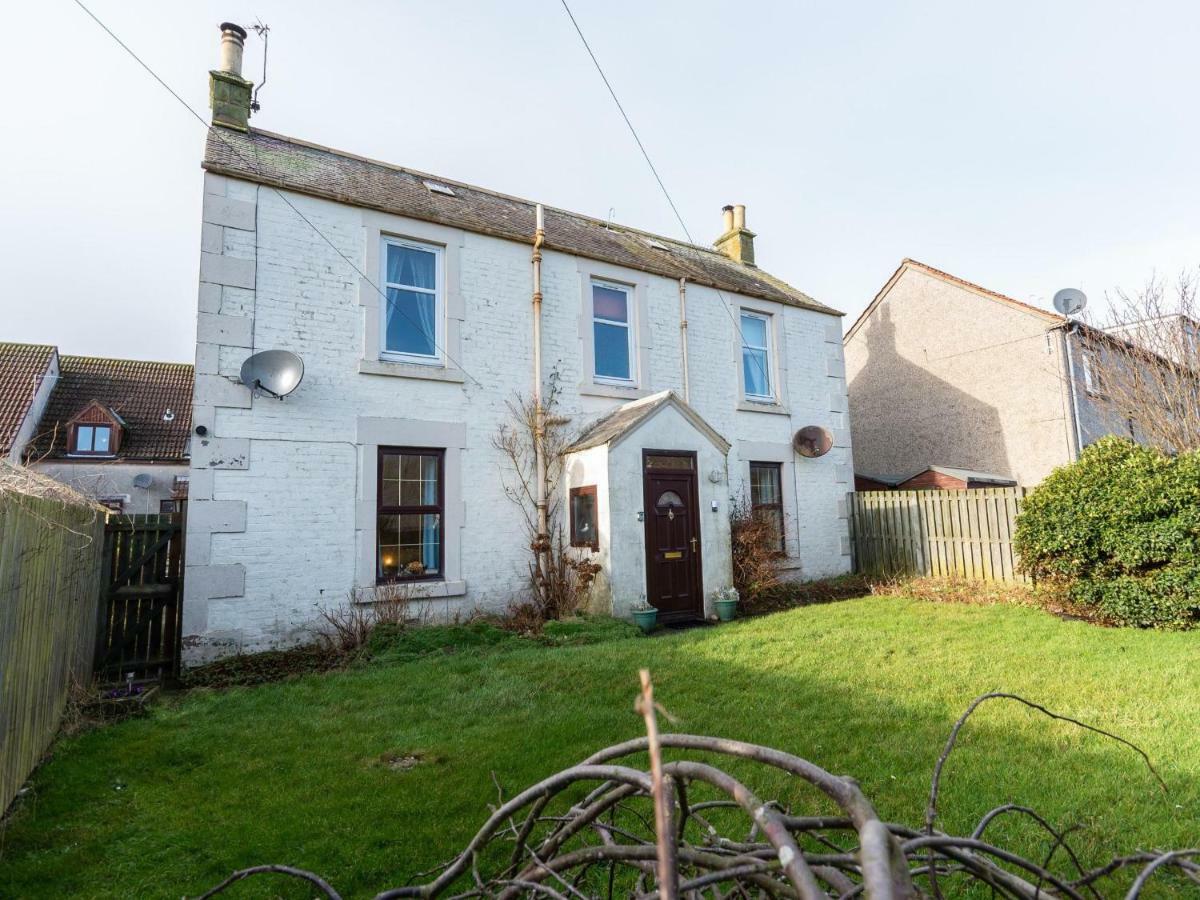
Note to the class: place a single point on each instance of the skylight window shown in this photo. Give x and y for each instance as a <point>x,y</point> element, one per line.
<point>437,187</point>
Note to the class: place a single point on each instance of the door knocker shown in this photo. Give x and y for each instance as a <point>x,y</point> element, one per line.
<point>670,515</point>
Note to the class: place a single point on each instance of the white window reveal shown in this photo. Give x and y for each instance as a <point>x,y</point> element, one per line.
<point>413,316</point>
<point>612,332</point>
<point>756,356</point>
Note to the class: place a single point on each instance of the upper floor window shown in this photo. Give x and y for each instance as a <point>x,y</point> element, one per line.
<point>756,356</point>
<point>93,439</point>
<point>1093,381</point>
<point>414,313</point>
<point>612,332</point>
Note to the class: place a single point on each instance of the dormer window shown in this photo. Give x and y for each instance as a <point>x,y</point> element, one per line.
<point>93,440</point>
<point>94,431</point>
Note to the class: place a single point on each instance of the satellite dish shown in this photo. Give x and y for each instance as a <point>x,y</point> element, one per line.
<point>812,441</point>
<point>274,372</point>
<point>142,480</point>
<point>1070,301</point>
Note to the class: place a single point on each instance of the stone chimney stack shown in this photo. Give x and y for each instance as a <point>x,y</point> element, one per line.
<point>736,242</point>
<point>228,92</point>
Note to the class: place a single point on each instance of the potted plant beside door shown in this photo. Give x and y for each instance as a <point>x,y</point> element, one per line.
<point>726,601</point>
<point>645,616</point>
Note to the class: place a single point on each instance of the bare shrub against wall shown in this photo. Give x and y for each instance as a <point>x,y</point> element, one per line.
<point>1142,364</point>
<point>755,547</point>
<point>560,579</point>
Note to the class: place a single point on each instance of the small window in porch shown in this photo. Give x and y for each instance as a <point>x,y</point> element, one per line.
<point>584,527</point>
<point>667,461</point>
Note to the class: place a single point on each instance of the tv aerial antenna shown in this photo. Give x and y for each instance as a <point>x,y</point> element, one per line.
<point>263,31</point>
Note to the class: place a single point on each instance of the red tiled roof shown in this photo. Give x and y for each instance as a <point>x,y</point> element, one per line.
<point>139,392</point>
<point>21,368</point>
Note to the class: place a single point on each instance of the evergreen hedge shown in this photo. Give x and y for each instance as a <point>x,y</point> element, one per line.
<point>1120,530</point>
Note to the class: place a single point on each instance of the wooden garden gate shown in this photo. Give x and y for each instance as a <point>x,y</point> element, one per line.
<point>141,597</point>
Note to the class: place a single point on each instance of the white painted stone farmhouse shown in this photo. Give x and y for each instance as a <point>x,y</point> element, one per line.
<point>685,372</point>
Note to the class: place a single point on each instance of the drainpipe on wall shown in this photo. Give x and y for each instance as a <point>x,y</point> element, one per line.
<point>539,425</point>
<point>687,397</point>
<point>1076,433</point>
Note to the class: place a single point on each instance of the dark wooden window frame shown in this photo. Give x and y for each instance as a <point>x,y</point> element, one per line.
<point>754,507</point>
<point>114,437</point>
<point>384,510</point>
<point>587,490</point>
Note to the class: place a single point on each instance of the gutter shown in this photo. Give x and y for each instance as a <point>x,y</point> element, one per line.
<point>539,427</point>
<point>683,339</point>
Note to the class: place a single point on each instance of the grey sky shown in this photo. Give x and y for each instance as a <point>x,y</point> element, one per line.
<point>1023,145</point>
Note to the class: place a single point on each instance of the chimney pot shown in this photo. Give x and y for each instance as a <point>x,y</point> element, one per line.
<point>727,212</point>
<point>233,39</point>
<point>736,241</point>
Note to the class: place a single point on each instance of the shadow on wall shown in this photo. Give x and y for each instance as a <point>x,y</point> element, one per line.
<point>904,418</point>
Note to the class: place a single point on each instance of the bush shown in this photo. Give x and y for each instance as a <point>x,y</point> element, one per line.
<point>1119,530</point>
<point>755,548</point>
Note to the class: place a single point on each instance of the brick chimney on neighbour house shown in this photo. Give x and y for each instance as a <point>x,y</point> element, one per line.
<point>229,94</point>
<point>737,242</point>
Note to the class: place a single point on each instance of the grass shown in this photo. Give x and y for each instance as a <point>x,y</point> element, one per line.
<point>303,772</point>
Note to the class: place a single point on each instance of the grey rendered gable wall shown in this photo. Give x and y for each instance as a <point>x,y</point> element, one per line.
<point>939,374</point>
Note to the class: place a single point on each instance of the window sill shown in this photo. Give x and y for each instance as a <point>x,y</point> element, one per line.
<point>422,590</point>
<point>410,370</point>
<point>621,392</point>
<point>756,406</point>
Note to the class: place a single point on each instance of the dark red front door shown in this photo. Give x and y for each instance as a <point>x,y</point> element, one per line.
<point>673,583</point>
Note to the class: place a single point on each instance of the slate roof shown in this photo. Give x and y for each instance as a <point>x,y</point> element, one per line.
<point>138,392</point>
<point>21,366</point>
<point>273,159</point>
<point>614,425</point>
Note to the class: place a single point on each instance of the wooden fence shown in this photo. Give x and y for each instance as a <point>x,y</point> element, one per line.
<point>49,579</point>
<point>943,534</point>
<point>141,591</point>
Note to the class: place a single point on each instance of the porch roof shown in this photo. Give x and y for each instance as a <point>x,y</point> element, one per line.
<point>615,426</point>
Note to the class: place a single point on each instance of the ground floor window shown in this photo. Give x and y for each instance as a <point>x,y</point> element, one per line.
<point>410,514</point>
<point>766,498</point>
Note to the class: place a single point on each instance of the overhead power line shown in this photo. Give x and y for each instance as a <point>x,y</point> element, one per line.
<point>682,224</point>
<point>255,167</point>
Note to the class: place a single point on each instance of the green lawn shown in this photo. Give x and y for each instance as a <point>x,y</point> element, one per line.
<point>290,772</point>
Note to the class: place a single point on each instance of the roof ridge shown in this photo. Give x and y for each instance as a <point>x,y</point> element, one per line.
<point>941,273</point>
<point>123,359</point>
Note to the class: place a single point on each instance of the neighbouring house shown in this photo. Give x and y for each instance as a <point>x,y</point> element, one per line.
<point>685,371</point>
<point>944,374</point>
<point>27,375</point>
<point>116,430</point>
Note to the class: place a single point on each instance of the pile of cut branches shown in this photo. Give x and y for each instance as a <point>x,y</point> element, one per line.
<point>685,827</point>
